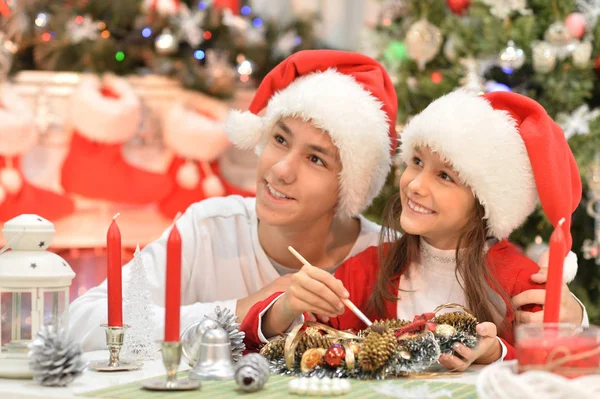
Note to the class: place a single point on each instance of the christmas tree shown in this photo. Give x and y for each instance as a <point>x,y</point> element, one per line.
<point>138,313</point>
<point>545,49</point>
<point>206,45</point>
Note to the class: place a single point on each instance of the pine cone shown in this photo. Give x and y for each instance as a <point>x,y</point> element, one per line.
<point>312,340</point>
<point>392,324</point>
<point>273,349</point>
<point>228,321</point>
<point>252,372</point>
<point>54,359</point>
<point>462,321</point>
<point>376,350</point>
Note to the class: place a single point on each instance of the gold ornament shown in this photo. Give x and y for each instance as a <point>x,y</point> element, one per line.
<point>582,54</point>
<point>376,350</point>
<point>311,359</point>
<point>423,42</point>
<point>273,349</point>
<point>445,330</point>
<point>544,57</point>
<point>461,321</point>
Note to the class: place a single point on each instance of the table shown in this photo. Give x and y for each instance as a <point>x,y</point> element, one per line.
<point>93,381</point>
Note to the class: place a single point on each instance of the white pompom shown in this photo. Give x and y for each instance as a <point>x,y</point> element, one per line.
<point>570,265</point>
<point>213,187</point>
<point>11,180</point>
<point>244,129</point>
<point>188,175</point>
<point>2,194</point>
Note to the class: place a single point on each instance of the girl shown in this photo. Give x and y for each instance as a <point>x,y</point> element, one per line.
<point>472,167</point>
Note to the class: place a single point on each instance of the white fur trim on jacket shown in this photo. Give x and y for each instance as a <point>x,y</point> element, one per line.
<point>351,115</point>
<point>194,136</point>
<point>485,149</point>
<point>102,119</point>
<point>18,133</point>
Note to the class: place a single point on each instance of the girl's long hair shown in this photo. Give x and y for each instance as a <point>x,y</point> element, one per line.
<point>471,264</point>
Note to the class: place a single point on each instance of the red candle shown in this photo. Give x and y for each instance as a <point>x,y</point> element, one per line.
<point>115,293</point>
<point>555,274</point>
<point>173,286</point>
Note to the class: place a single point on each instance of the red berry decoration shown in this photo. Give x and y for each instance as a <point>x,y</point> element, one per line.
<point>458,7</point>
<point>334,355</point>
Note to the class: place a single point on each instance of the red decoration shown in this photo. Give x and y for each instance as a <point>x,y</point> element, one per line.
<point>334,355</point>
<point>4,9</point>
<point>115,293</point>
<point>458,7</point>
<point>576,24</point>
<point>597,64</point>
<point>555,274</point>
<point>233,5</point>
<point>437,77</point>
<point>173,286</point>
<point>418,324</point>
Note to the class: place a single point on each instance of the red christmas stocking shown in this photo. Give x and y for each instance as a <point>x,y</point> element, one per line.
<point>105,115</point>
<point>17,196</point>
<point>195,181</point>
<point>197,138</point>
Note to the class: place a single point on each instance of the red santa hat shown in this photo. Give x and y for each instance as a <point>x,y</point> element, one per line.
<point>509,151</point>
<point>348,95</point>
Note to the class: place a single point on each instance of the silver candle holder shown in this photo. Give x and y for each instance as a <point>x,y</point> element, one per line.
<point>171,354</point>
<point>115,335</point>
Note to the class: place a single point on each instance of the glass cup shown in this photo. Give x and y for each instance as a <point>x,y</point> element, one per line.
<point>561,348</point>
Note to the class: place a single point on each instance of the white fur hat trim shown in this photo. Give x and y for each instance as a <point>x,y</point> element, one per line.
<point>485,148</point>
<point>351,115</point>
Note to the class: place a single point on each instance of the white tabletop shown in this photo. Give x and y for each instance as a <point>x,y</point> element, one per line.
<point>89,381</point>
<point>92,380</point>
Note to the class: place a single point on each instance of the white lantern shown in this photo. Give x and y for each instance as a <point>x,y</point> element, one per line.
<point>34,290</point>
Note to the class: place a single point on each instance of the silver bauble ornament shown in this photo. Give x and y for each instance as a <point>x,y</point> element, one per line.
<point>511,56</point>
<point>228,321</point>
<point>544,57</point>
<point>423,42</point>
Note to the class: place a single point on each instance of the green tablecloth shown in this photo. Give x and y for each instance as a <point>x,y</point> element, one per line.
<point>276,387</point>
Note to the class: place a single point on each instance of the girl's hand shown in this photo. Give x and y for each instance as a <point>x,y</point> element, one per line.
<point>487,351</point>
<point>311,290</point>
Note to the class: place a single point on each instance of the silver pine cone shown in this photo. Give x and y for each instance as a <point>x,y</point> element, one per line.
<point>228,321</point>
<point>252,372</point>
<point>54,359</point>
